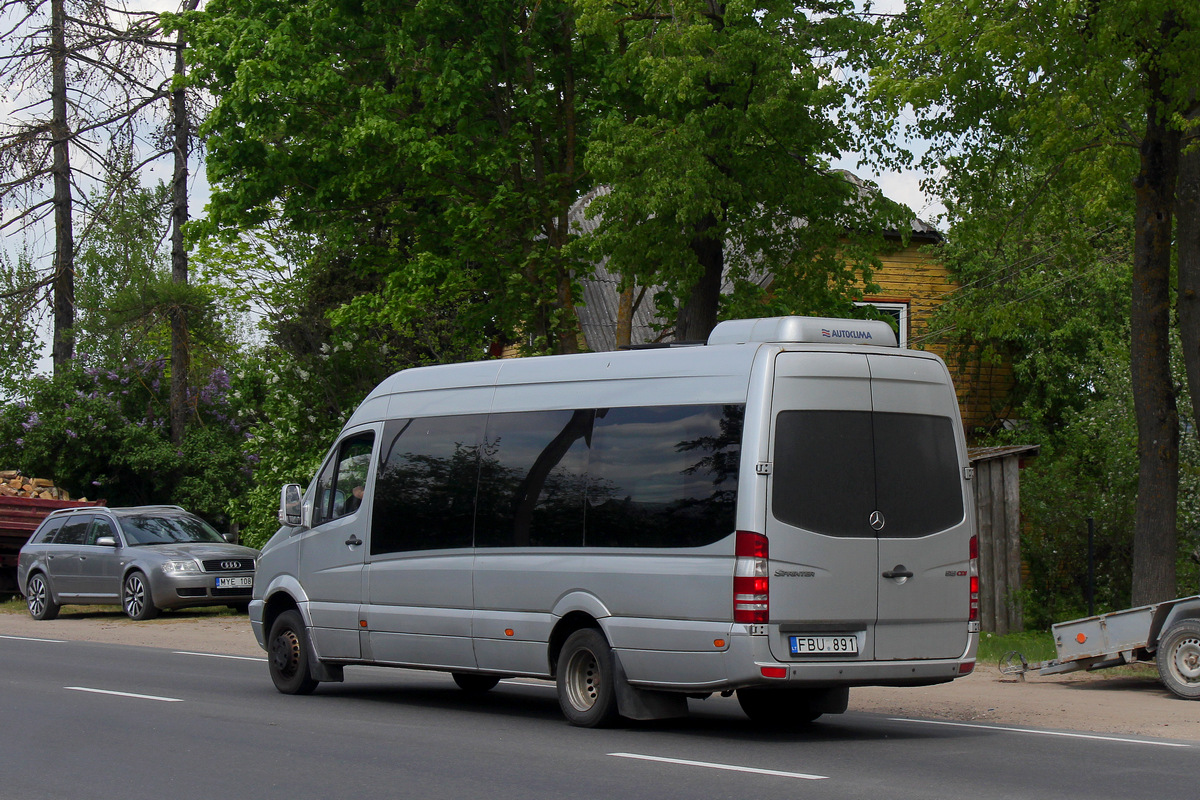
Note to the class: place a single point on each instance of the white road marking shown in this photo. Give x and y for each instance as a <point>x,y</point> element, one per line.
<point>124,694</point>
<point>727,767</point>
<point>217,655</point>
<point>1095,736</point>
<point>32,639</point>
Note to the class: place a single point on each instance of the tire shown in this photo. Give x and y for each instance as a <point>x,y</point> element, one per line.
<point>287,655</point>
<point>39,599</point>
<point>1178,659</point>
<point>136,598</point>
<point>785,708</point>
<point>475,684</point>
<point>586,692</point>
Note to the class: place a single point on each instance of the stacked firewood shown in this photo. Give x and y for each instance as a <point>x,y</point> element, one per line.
<point>14,484</point>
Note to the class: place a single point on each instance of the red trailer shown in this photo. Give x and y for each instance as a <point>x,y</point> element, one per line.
<point>19,517</point>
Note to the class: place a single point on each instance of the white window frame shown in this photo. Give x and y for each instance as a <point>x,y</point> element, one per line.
<point>895,308</point>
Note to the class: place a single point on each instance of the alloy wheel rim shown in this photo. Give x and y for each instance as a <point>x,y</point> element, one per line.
<point>135,596</point>
<point>37,597</point>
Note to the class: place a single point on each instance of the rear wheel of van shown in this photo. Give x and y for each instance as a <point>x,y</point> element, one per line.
<point>781,708</point>
<point>475,684</point>
<point>39,599</point>
<point>287,655</point>
<point>585,680</point>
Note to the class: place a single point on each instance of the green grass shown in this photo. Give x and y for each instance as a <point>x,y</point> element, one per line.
<point>1034,645</point>
<point>17,606</point>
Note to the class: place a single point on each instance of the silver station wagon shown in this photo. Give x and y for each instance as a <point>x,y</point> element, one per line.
<point>147,558</point>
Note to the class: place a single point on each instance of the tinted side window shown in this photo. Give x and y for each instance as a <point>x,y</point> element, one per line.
<point>663,476</point>
<point>531,479</point>
<point>824,471</point>
<point>49,530</point>
<point>75,530</point>
<point>425,489</point>
<point>919,486</point>
<point>101,527</point>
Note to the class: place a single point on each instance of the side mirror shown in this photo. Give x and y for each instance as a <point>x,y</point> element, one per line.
<point>229,537</point>
<point>106,541</point>
<point>290,507</point>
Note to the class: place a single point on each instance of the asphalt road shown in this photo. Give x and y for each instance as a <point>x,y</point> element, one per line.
<point>98,721</point>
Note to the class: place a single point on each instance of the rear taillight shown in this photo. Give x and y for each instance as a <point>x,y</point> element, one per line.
<point>973,571</point>
<point>751,583</point>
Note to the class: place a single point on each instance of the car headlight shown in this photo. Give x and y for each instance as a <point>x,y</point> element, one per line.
<point>181,568</point>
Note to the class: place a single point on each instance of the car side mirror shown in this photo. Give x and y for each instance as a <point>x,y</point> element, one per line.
<point>290,508</point>
<point>229,537</point>
<point>106,541</point>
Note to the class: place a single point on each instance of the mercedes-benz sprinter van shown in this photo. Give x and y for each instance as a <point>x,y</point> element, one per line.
<point>782,512</point>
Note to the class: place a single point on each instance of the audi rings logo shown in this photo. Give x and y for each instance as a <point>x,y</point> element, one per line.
<point>231,565</point>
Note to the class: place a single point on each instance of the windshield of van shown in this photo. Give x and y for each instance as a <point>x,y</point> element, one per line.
<point>167,529</point>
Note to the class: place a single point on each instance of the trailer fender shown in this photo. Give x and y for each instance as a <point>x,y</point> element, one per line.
<point>1169,613</point>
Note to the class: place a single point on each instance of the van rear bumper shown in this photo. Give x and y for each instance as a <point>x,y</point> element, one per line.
<point>742,663</point>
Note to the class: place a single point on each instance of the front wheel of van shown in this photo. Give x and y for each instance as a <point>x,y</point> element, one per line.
<point>777,708</point>
<point>585,680</point>
<point>287,655</point>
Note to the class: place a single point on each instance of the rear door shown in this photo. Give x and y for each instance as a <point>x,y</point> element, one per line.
<point>824,556</point>
<point>866,519</point>
<point>923,516</point>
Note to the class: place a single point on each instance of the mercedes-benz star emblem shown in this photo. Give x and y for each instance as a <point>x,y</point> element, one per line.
<point>877,520</point>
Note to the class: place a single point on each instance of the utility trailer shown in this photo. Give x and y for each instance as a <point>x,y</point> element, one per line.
<point>19,518</point>
<point>1167,633</point>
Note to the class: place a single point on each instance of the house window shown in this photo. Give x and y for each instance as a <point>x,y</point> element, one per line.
<point>897,311</point>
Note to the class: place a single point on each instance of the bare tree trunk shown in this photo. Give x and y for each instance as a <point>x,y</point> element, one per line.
<point>1155,528</point>
<point>63,348</point>
<point>624,333</point>
<point>698,315</point>
<point>180,356</point>
<point>1187,238</point>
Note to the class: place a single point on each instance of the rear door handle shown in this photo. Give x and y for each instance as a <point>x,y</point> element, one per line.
<point>353,541</point>
<point>898,572</point>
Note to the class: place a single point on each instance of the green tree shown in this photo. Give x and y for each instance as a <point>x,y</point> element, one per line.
<point>433,148</point>
<point>717,154</point>
<point>1080,100</point>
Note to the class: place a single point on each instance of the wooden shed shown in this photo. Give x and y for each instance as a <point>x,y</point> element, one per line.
<point>997,486</point>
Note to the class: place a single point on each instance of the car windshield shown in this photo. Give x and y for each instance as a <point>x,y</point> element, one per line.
<point>163,529</point>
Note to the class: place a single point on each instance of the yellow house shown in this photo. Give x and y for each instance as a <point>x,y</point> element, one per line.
<point>912,284</point>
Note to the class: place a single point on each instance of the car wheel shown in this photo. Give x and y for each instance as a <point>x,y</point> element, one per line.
<point>287,655</point>
<point>475,684</point>
<point>136,598</point>
<point>777,708</point>
<point>1178,659</point>
<point>39,599</point>
<point>586,692</point>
